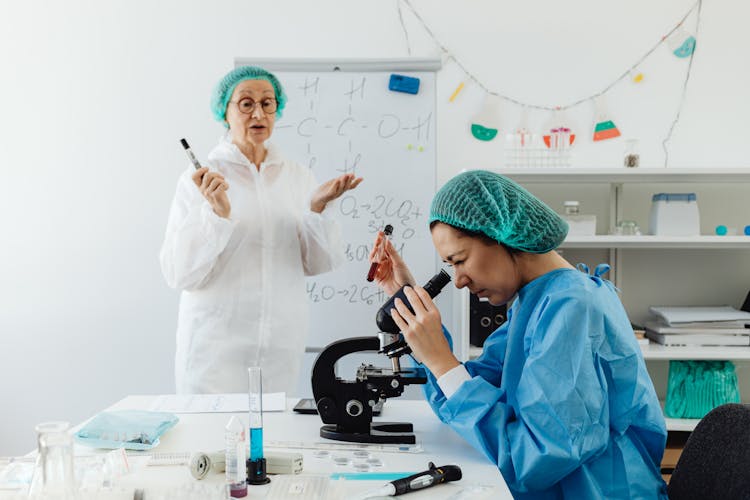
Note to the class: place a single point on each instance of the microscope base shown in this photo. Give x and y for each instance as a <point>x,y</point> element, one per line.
<point>380,432</point>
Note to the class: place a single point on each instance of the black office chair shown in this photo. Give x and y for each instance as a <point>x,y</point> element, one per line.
<point>715,463</point>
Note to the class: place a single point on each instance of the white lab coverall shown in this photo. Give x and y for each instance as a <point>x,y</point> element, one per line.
<point>243,299</point>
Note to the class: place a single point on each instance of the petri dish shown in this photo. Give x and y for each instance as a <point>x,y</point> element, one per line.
<point>361,467</point>
<point>341,460</point>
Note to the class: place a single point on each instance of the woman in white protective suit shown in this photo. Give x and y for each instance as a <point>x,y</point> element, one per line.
<point>243,232</point>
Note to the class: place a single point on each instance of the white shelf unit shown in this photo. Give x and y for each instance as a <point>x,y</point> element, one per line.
<point>716,353</point>
<point>616,177</point>
<point>608,241</point>
<point>620,175</point>
<point>657,351</point>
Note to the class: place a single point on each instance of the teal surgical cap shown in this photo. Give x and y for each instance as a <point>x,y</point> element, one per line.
<point>485,202</point>
<point>224,89</point>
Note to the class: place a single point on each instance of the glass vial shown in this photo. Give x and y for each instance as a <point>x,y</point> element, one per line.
<point>632,158</point>
<point>236,472</point>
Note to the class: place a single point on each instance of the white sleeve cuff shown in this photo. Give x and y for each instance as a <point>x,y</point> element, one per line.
<point>451,380</point>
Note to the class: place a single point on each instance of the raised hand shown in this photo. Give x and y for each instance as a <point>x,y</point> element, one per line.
<point>332,189</point>
<point>213,187</point>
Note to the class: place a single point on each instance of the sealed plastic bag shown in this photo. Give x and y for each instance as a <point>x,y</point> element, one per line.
<point>697,387</point>
<point>129,429</point>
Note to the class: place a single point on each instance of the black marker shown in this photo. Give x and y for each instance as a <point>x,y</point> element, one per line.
<point>190,154</point>
<point>430,477</point>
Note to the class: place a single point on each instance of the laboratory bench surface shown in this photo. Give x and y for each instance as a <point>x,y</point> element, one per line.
<point>204,432</point>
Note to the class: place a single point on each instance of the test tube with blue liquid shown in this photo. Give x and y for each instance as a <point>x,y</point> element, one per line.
<point>256,464</point>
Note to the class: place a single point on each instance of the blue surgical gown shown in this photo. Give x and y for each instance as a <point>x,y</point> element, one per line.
<point>560,398</point>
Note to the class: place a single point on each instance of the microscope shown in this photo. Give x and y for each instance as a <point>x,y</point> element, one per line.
<point>345,406</point>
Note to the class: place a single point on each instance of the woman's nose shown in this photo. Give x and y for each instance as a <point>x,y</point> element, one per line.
<point>461,280</point>
<point>257,111</point>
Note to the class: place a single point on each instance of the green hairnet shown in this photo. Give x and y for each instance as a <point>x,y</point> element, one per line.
<point>224,89</point>
<point>491,204</point>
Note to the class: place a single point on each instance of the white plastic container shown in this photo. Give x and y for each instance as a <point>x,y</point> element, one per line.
<point>578,225</point>
<point>674,214</point>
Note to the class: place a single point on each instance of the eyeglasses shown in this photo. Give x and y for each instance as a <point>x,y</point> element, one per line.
<point>247,105</point>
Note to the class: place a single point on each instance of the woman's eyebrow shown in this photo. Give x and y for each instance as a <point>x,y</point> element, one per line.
<point>251,92</point>
<point>452,256</point>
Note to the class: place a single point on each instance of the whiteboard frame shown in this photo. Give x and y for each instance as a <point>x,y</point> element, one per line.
<point>399,64</point>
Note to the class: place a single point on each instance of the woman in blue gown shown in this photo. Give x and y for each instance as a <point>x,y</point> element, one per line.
<point>560,398</point>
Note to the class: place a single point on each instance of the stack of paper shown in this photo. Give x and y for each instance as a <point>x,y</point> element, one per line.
<point>678,315</point>
<point>697,326</point>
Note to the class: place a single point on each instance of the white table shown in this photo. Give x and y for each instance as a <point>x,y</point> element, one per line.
<point>205,432</point>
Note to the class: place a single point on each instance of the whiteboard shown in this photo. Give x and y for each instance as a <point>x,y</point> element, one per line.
<point>340,118</point>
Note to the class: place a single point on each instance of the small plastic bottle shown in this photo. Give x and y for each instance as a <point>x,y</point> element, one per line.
<point>236,473</point>
<point>572,207</point>
<point>578,225</point>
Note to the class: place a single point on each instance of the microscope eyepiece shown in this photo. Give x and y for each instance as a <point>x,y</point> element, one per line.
<point>437,283</point>
<point>433,287</point>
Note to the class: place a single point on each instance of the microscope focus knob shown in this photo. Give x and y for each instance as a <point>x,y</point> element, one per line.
<point>327,408</point>
<point>354,408</point>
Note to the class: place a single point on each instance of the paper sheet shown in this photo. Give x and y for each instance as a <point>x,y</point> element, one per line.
<point>215,403</point>
<point>677,314</point>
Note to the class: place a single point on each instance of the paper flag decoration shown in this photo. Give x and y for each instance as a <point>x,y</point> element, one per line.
<point>604,127</point>
<point>558,131</point>
<point>486,123</point>
<point>605,130</point>
<point>456,92</point>
<point>557,138</point>
<point>682,43</point>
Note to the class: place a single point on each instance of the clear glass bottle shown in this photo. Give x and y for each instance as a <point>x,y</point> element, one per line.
<point>632,158</point>
<point>235,468</point>
<point>578,225</point>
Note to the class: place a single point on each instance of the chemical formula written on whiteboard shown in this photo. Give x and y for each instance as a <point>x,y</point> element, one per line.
<point>352,294</point>
<point>380,207</point>
<point>352,125</point>
<point>350,122</point>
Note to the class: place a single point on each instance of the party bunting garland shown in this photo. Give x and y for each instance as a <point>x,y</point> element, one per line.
<point>681,43</point>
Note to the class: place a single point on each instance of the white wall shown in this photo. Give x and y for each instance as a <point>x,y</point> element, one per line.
<point>95,95</point>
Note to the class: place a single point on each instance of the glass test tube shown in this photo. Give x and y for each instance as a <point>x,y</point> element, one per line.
<point>255,394</point>
<point>374,266</point>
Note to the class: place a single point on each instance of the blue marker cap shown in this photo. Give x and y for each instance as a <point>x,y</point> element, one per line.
<point>721,230</point>
<point>747,231</point>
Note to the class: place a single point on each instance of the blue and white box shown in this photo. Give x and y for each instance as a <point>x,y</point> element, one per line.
<point>675,214</point>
